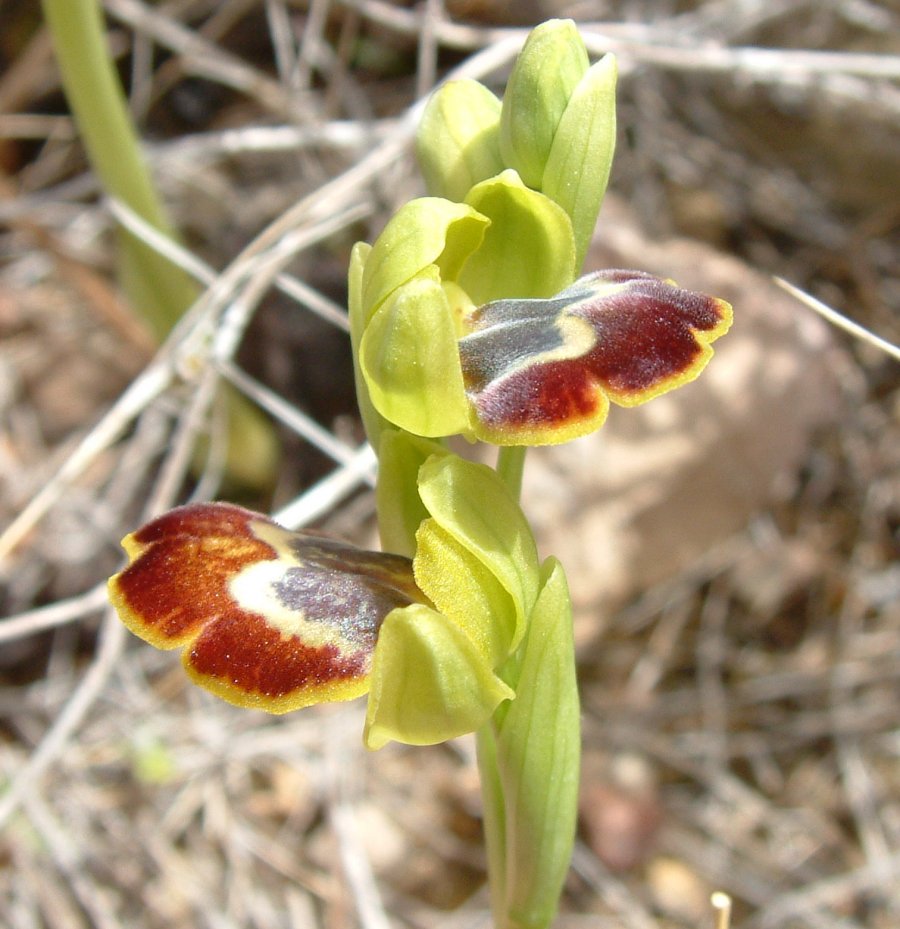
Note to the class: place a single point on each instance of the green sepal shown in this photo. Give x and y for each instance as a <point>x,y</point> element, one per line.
<point>410,360</point>
<point>550,65</point>
<point>538,751</point>
<point>458,141</point>
<point>423,232</point>
<point>373,422</point>
<point>472,503</point>
<point>465,590</point>
<point>528,249</point>
<point>429,681</point>
<point>400,508</point>
<point>578,166</point>
<point>461,306</point>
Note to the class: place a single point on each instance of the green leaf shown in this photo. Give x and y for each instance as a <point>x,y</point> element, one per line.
<point>410,360</point>
<point>551,63</point>
<point>529,248</point>
<point>466,590</point>
<point>474,506</point>
<point>400,508</point>
<point>421,233</point>
<point>429,681</point>
<point>538,749</point>
<point>578,166</point>
<point>458,142</point>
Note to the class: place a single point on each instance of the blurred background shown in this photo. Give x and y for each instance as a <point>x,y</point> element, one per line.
<point>732,547</point>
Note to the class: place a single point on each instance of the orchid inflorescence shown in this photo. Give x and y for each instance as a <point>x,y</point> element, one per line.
<point>466,319</point>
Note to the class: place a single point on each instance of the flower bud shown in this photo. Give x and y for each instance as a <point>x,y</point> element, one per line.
<point>458,141</point>
<point>550,65</point>
<point>577,168</point>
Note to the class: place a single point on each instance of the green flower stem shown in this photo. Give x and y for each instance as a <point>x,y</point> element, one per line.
<point>528,757</point>
<point>157,290</point>
<point>494,818</point>
<point>511,467</point>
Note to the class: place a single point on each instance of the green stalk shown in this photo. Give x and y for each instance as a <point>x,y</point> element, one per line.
<point>528,759</point>
<point>494,818</point>
<point>511,467</point>
<point>157,290</point>
<point>529,755</point>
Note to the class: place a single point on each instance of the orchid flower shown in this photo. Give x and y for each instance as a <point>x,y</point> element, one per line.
<point>278,620</point>
<point>524,370</point>
<point>467,318</point>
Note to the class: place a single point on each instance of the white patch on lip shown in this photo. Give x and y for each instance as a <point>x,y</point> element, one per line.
<point>276,537</point>
<point>255,590</point>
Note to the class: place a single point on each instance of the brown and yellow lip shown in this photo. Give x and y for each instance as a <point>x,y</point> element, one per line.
<point>266,618</point>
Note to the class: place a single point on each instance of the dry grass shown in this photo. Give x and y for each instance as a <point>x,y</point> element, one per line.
<point>740,719</point>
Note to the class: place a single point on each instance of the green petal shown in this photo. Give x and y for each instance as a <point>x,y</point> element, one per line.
<point>577,169</point>
<point>529,248</point>
<point>465,590</point>
<point>422,232</point>
<point>474,506</point>
<point>429,681</point>
<point>538,748</point>
<point>550,65</point>
<point>400,508</point>
<point>458,142</point>
<point>372,421</point>
<point>410,360</point>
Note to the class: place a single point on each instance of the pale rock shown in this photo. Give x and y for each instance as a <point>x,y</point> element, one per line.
<point>678,891</point>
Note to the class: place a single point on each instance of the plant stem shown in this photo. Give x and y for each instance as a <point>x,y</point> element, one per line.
<point>494,818</point>
<point>528,755</point>
<point>528,758</point>
<point>158,290</point>
<point>511,467</point>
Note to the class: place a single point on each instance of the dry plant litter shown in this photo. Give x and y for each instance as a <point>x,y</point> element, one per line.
<point>741,715</point>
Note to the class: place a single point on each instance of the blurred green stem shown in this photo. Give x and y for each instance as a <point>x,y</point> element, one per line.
<point>494,820</point>
<point>511,467</point>
<point>528,755</point>
<point>158,291</point>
